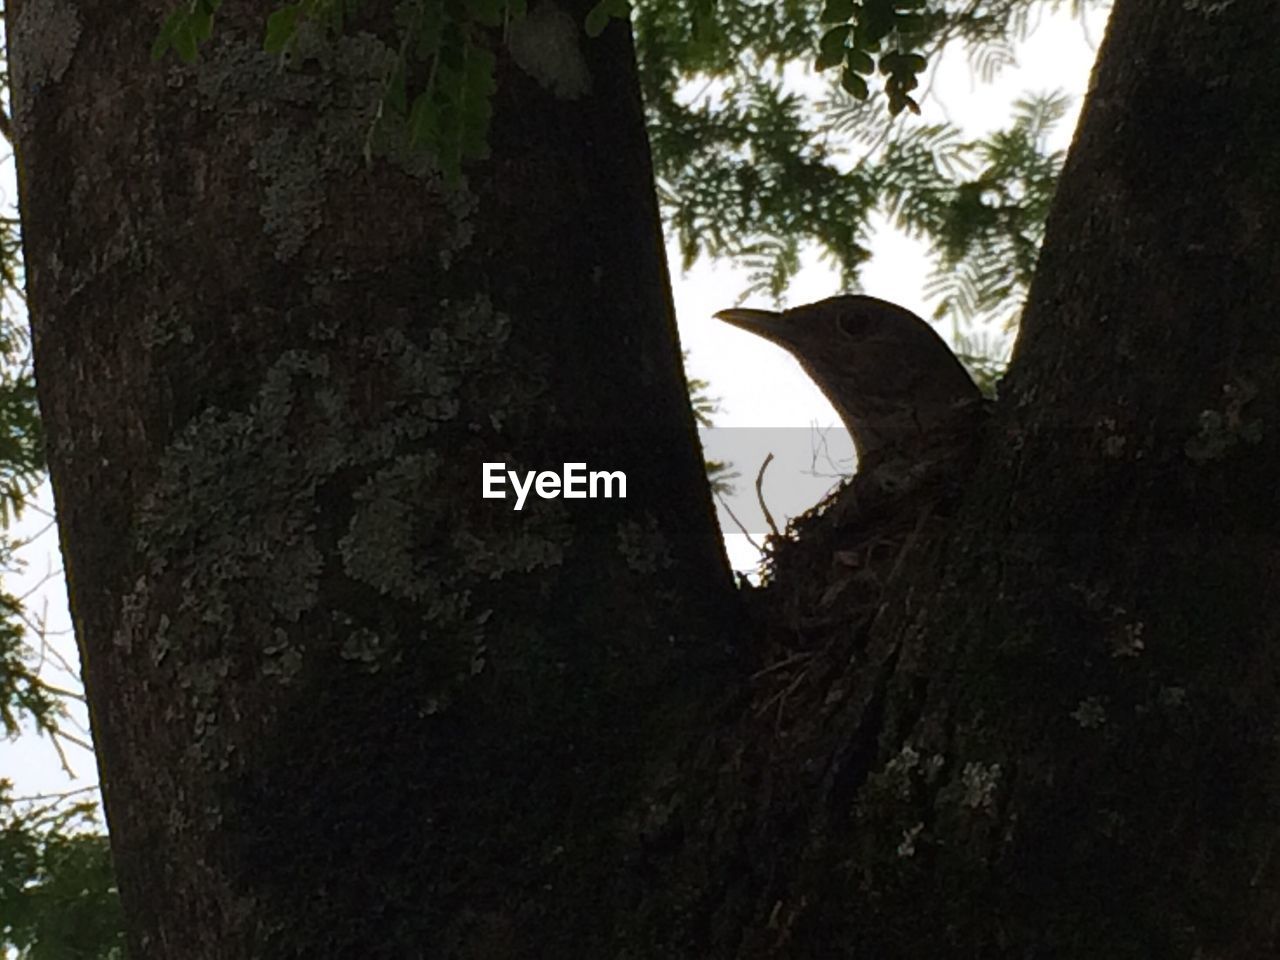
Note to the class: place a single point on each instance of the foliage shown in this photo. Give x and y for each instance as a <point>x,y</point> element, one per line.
<point>442,82</point>
<point>986,223</point>
<point>758,162</point>
<point>185,29</point>
<point>58,898</point>
<point>21,437</point>
<point>877,34</point>
<point>705,407</point>
<point>22,693</point>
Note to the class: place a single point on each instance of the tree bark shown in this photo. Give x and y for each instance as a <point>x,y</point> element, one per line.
<point>344,706</point>
<point>1106,698</point>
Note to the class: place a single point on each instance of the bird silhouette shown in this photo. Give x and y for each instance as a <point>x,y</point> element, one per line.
<point>905,399</point>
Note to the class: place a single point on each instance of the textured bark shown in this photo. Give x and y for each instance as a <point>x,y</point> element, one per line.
<point>1118,663</point>
<point>343,706</point>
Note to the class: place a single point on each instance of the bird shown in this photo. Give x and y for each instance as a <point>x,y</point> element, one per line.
<point>906,400</point>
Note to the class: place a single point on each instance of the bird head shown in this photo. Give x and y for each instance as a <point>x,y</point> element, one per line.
<point>894,382</point>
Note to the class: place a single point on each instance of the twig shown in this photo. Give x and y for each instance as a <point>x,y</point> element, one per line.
<point>760,495</point>
<point>785,662</point>
<point>734,517</point>
<point>37,797</point>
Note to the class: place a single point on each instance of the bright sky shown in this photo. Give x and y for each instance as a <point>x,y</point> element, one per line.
<point>759,384</point>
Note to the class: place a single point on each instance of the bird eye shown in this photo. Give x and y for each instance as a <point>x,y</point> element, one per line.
<point>851,323</point>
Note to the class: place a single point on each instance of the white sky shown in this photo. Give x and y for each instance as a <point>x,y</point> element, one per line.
<point>759,385</point>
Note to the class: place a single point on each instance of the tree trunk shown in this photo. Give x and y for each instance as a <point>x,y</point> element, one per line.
<point>1101,663</point>
<point>344,706</point>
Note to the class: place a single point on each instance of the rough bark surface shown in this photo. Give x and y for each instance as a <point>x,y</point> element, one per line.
<point>343,706</point>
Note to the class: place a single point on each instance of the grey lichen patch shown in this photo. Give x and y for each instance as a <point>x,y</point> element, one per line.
<point>1223,429</point>
<point>1172,698</point>
<point>1209,9</point>
<point>907,845</point>
<point>341,81</point>
<point>643,546</point>
<point>203,681</point>
<point>1090,713</point>
<point>133,625</point>
<point>162,325</point>
<point>234,502</point>
<point>364,647</point>
<point>546,44</point>
<point>979,783</point>
<point>282,659</point>
<point>380,546</point>
<point>1126,640</point>
<point>538,541</point>
<point>906,775</point>
<point>1110,439</point>
<point>334,452</point>
<point>293,201</point>
<point>42,41</point>
<point>469,654</point>
<point>384,548</point>
<point>540,546</point>
<point>900,770</point>
<point>226,533</point>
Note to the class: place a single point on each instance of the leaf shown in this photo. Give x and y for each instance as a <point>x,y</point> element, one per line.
<point>430,32</point>
<point>281,26</point>
<point>598,16</point>
<point>831,47</point>
<point>854,85</point>
<point>878,21</point>
<point>911,23</point>
<point>184,41</point>
<point>837,11</point>
<point>397,98</point>
<point>475,109</point>
<point>164,39</point>
<point>597,19</point>
<point>200,22</point>
<point>185,29</point>
<point>424,121</point>
<point>449,145</point>
<point>859,62</point>
<point>486,12</point>
<point>899,101</point>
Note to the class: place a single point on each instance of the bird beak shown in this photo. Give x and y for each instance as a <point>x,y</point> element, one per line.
<point>763,323</point>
